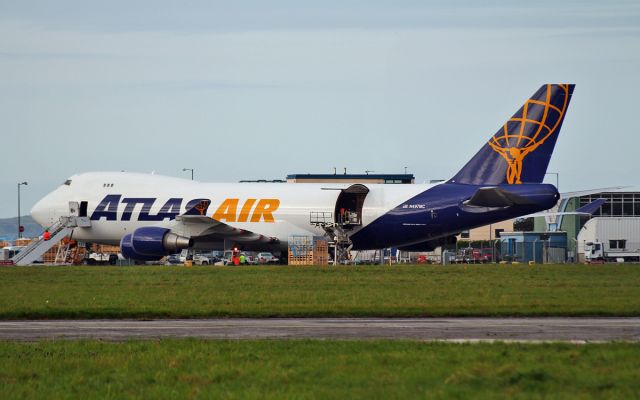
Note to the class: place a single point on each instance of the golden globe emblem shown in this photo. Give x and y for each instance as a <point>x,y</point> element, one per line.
<point>522,135</point>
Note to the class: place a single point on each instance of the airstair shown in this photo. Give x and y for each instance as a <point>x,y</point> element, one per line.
<point>58,231</point>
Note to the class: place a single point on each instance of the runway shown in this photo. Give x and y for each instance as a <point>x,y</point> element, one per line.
<point>447,329</point>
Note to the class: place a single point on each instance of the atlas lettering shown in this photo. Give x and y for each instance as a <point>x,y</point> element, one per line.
<point>108,208</point>
<point>139,209</point>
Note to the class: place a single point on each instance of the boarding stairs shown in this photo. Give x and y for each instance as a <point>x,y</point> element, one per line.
<point>58,231</point>
<point>335,232</point>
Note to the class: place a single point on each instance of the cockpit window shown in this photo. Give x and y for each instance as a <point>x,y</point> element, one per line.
<point>67,182</point>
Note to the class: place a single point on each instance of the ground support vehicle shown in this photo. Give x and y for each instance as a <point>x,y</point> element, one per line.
<point>595,252</point>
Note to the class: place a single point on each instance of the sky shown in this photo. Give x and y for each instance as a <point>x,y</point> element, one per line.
<point>258,90</point>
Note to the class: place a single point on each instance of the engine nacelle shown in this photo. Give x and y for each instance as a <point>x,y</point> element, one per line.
<point>127,251</point>
<point>151,243</point>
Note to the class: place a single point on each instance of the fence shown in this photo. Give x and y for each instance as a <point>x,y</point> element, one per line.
<point>539,251</point>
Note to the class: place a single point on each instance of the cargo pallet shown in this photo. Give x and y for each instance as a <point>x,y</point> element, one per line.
<point>308,250</point>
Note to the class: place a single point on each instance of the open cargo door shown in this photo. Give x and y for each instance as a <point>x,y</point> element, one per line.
<point>348,212</point>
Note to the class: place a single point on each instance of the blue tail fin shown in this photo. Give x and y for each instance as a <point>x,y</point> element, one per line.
<point>521,149</point>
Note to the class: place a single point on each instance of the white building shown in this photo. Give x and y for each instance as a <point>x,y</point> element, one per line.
<point>615,234</point>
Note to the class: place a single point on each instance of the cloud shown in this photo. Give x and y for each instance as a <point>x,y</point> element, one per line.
<point>257,91</point>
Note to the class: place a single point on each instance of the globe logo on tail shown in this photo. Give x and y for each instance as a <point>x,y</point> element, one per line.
<point>529,128</point>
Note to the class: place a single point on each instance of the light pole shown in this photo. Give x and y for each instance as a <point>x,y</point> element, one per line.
<point>575,250</point>
<point>557,174</point>
<point>20,226</point>
<point>188,169</point>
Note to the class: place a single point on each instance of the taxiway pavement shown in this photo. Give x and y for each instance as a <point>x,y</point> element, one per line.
<point>575,329</point>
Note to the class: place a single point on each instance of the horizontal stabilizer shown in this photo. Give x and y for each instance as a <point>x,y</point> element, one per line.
<point>496,197</point>
<point>581,193</point>
<point>586,210</point>
<point>591,207</point>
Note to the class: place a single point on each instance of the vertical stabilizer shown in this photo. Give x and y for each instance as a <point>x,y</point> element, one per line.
<point>521,149</point>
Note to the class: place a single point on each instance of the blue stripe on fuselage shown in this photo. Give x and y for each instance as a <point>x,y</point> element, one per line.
<point>438,212</point>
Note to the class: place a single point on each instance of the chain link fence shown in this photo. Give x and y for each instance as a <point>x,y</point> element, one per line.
<point>539,251</point>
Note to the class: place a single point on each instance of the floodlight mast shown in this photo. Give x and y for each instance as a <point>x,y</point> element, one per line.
<point>19,225</point>
<point>188,169</point>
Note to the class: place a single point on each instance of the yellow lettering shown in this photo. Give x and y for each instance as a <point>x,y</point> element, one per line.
<point>265,209</point>
<point>246,209</point>
<point>227,211</point>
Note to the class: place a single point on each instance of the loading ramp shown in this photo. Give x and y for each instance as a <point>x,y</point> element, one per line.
<point>339,224</point>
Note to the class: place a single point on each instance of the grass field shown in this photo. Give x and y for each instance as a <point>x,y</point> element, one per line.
<point>480,290</point>
<point>317,369</point>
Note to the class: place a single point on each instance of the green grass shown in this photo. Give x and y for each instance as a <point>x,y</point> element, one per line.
<point>178,369</point>
<point>158,292</point>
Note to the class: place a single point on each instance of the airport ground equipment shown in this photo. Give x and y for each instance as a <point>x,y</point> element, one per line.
<point>595,252</point>
<point>7,253</point>
<point>308,250</point>
<point>204,259</point>
<point>336,231</point>
<point>68,252</point>
<point>101,259</point>
<point>267,258</point>
<point>58,231</point>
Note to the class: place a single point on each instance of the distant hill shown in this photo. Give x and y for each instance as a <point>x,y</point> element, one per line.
<point>9,228</point>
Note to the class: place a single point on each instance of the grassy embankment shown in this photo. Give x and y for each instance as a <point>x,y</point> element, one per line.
<point>163,292</point>
<point>317,369</point>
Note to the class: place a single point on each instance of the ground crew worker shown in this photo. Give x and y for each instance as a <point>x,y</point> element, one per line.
<point>46,235</point>
<point>243,259</point>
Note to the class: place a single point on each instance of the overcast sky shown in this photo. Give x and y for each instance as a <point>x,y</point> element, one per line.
<point>250,90</point>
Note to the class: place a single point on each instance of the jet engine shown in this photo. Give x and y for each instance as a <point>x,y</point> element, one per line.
<point>152,243</point>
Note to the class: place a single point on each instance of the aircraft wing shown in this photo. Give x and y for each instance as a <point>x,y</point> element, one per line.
<point>195,224</point>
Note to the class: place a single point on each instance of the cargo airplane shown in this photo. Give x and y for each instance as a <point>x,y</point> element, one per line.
<point>151,216</point>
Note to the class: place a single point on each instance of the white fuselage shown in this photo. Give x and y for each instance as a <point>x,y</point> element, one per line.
<point>236,204</point>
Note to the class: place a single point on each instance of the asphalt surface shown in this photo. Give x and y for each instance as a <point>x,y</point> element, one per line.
<point>451,329</point>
